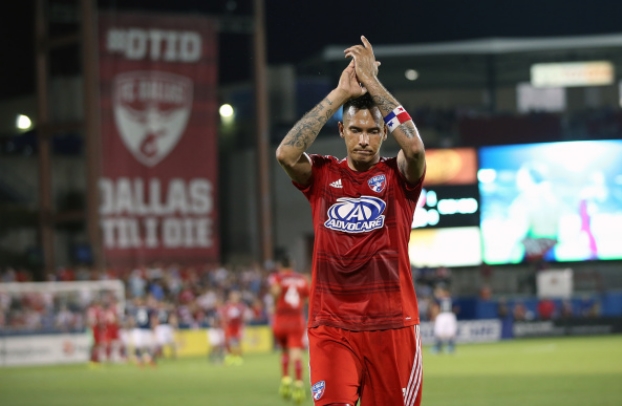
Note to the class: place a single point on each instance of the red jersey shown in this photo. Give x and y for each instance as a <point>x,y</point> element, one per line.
<point>96,319</point>
<point>233,316</point>
<point>112,323</point>
<point>361,275</point>
<point>96,316</point>
<point>290,302</point>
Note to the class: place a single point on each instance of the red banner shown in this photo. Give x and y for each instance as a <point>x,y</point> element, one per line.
<point>158,84</point>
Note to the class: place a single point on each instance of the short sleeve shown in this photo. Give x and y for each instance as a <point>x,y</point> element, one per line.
<point>318,165</point>
<point>411,190</point>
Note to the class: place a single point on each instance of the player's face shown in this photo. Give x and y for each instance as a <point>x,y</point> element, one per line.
<point>363,131</point>
<point>234,296</point>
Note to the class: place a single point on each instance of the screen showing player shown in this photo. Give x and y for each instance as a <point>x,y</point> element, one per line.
<point>554,201</point>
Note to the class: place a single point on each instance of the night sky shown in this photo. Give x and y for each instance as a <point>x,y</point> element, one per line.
<point>297,30</point>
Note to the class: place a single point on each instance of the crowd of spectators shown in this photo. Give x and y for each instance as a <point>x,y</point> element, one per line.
<point>196,292</point>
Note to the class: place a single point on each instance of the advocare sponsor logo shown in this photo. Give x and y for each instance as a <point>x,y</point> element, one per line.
<point>473,331</point>
<point>144,214</point>
<point>539,328</point>
<point>356,215</point>
<point>468,331</point>
<point>155,44</point>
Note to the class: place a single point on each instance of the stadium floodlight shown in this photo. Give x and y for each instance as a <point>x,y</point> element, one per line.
<point>226,110</point>
<point>23,122</point>
<point>227,114</point>
<point>411,74</point>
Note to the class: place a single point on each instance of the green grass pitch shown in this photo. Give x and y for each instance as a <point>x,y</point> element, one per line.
<point>533,372</point>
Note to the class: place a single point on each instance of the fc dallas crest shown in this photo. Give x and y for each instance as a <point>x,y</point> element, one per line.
<point>377,183</point>
<point>151,111</point>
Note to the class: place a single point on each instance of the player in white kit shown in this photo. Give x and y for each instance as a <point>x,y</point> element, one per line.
<point>445,323</point>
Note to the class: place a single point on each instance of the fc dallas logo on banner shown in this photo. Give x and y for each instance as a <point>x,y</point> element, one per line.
<point>151,110</point>
<point>158,109</point>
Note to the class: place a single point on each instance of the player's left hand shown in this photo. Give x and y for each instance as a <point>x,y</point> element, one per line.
<point>365,62</point>
<point>349,83</point>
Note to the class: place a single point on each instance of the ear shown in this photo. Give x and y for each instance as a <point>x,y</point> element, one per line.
<point>340,126</point>
<point>386,132</point>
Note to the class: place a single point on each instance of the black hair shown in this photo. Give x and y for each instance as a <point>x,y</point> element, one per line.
<point>364,102</point>
<point>285,260</point>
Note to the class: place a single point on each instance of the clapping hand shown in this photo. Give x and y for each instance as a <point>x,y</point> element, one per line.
<point>365,64</point>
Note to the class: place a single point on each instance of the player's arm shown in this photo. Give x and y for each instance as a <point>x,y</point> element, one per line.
<point>153,320</point>
<point>411,158</point>
<point>172,318</point>
<point>247,315</point>
<point>291,152</point>
<point>274,286</point>
<point>275,290</point>
<point>224,320</point>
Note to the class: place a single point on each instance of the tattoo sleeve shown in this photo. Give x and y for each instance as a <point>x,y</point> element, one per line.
<point>386,103</point>
<point>411,162</point>
<point>304,132</point>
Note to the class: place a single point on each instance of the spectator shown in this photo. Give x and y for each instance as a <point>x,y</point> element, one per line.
<point>546,309</point>
<point>520,312</point>
<point>503,311</point>
<point>137,283</point>
<point>566,310</point>
<point>156,290</point>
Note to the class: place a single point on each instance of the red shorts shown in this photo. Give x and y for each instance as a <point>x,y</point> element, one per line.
<point>112,332</point>
<point>233,334</point>
<point>99,335</point>
<point>289,337</point>
<point>381,367</point>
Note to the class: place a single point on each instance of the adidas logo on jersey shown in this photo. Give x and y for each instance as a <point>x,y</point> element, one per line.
<point>336,184</point>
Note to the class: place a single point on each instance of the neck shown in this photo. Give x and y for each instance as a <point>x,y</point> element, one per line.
<point>362,166</point>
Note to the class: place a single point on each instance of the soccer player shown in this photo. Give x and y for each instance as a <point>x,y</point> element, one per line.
<point>363,328</point>
<point>144,318</point>
<point>234,315</point>
<point>113,344</point>
<point>96,321</point>
<point>290,290</point>
<point>216,341</point>
<point>445,323</point>
<point>166,325</point>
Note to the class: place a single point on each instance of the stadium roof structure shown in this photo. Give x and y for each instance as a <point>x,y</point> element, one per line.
<point>478,62</point>
<point>488,46</point>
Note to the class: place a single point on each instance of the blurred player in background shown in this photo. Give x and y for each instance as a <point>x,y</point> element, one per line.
<point>290,290</point>
<point>233,315</point>
<point>126,325</point>
<point>96,321</point>
<point>144,318</point>
<point>445,323</point>
<point>113,345</point>
<point>165,329</point>
<point>216,339</point>
<point>364,339</point>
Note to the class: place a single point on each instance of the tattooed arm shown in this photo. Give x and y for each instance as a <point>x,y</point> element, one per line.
<point>411,158</point>
<point>291,153</point>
